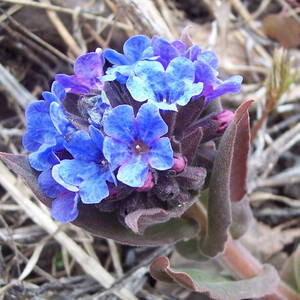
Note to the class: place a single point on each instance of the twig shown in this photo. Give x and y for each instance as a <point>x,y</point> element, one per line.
<point>123,281</point>
<point>263,196</point>
<point>277,212</point>
<point>167,16</point>
<point>115,258</point>
<point>10,12</point>
<point>238,5</point>
<point>69,11</point>
<point>285,123</point>
<point>40,41</point>
<point>289,176</point>
<point>11,84</point>
<point>11,131</point>
<point>62,30</point>
<point>280,145</point>
<point>145,16</point>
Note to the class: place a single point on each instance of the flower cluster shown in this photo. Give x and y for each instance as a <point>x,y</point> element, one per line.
<point>130,133</point>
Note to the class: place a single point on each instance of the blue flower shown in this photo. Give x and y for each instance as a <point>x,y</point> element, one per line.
<point>88,69</point>
<point>87,174</point>
<point>206,64</point>
<point>164,88</point>
<point>135,144</point>
<point>206,72</point>
<point>135,49</point>
<point>64,205</point>
<point>46,128</point>
<point>166,51</point>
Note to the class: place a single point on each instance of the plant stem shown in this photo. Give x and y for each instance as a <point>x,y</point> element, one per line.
<point>259,123</point>
<point>243,264</point>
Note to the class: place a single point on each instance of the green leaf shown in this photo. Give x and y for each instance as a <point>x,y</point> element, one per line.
<point>215,286</point>
<point>106,224</point>
<point>290,272</point>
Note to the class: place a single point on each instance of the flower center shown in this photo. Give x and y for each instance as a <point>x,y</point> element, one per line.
<point>104,164</point>
<point>139,147</point>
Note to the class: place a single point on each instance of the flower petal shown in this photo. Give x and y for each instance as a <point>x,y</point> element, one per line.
<point>152,77</point>
<point>58,90</point>
<point>40,128</point>
<point>94,189</point>
<point>165,50</point>
<point>119,124</point>
<point>193,52</point>
<point>66,170</point>
<point>161,154</point>
<point>204,73</point>
<point>231,85</point>
<point>135,46</point>
<point>180,77</point>
<point>115,57</point>
<point>180,46</point>
<point>89,66</point>
<point>150,123</point>
<point>81,146</point>
<point>134,172</point>
<point>209,58</point>
<point>48,185</point>
<point>73,172</point>
<point>180,69</point>
<point>189,92</point>
<point>97,137</point>
<point>72,82</point>
<point>42,159</point>
<point>64,207</point>
<point>60,122</point>
<point>115,152</point>
<point>139,89</point>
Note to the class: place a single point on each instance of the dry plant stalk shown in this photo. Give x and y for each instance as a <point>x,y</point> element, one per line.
<point>279,80</point>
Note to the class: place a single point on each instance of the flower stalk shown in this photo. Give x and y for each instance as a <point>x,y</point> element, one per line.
<point>243,264</point>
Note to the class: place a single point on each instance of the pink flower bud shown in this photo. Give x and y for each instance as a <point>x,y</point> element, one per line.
<point>179,164</point>
<point>224,118</point>
<point>149,183</point>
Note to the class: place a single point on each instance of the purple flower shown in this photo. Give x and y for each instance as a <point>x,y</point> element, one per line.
<point>46,128</point>
<point>166,51</point>
<point>64,205</point>
<point>206,73</point>
<point>87,174</point>
<point>206,64</point>
<point>164,88</point>
<point>135,144</point>
<point>137,48</point>
<point>88,69</point>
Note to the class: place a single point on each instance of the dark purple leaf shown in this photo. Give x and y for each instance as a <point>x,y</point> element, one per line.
<point>106,224</point>
<point>227,183</point>
<point>242,217</point>
<point>141,219</point>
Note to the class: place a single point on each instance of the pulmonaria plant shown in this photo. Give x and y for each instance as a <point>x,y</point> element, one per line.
<point>129,140</point>
<point>137,148</point>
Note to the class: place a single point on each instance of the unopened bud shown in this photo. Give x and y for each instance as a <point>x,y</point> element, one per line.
<point>179,164</point>
<point>224,118</point>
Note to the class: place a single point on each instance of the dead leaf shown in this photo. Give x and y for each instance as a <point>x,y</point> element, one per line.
<point>284,29</point>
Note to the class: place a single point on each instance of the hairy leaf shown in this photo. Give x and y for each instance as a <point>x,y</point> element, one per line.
<point>227,183</point>
<point>106,224</point>
<point>215,286</point>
